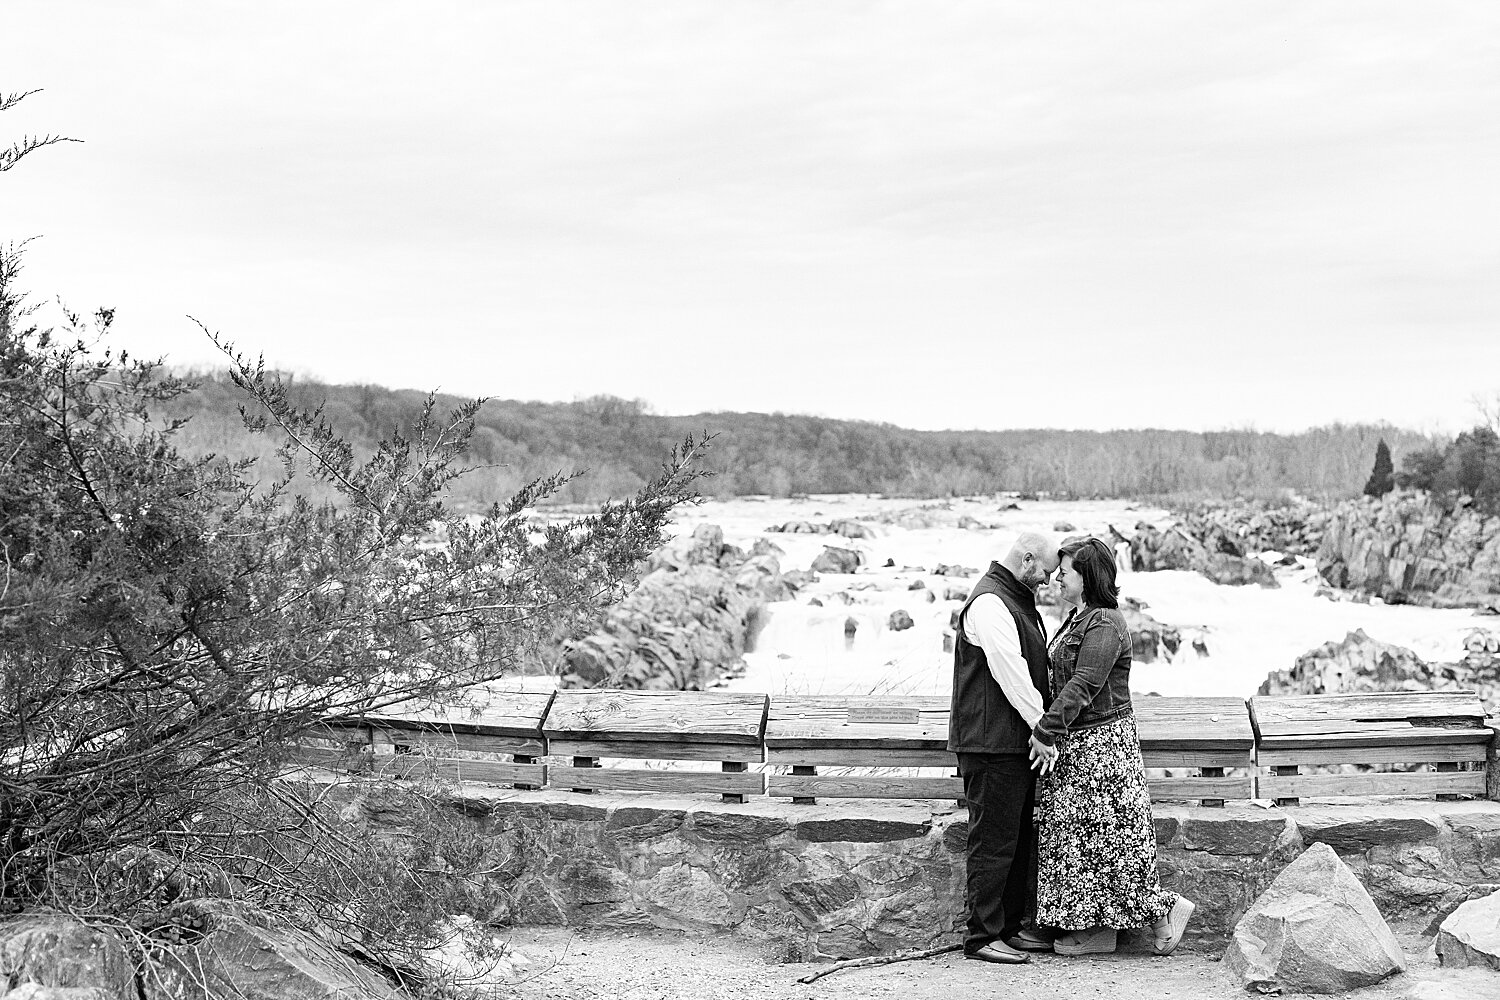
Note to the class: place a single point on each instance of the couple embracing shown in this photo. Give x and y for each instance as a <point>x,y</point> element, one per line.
<point>1049,725</point>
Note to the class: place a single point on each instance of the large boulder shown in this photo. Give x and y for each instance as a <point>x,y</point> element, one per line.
<point>45,954</point>
<point>1232,570</point>
<point>1212,550</point>
<point>1314,930</point>
<point>1470,935</point>
<point>238,951</point>
<point>1153,549</point>
<point>704,547</point>
<point>1149,639</point>
<point>836,560</point>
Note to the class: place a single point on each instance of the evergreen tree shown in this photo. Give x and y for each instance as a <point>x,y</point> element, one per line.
<point>1382,477</point>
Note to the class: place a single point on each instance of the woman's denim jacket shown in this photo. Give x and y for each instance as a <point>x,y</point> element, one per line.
<point>1090,672</point>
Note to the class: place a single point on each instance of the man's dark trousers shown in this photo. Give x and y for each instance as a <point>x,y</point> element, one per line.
<point>1001,893</point>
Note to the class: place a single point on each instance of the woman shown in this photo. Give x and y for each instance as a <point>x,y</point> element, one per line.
<point>1096,842</point>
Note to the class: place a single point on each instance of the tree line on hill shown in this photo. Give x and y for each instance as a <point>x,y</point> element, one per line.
<point>1467,466</point>
<point>619,442</point>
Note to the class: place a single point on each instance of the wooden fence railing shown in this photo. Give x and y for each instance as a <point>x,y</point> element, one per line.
<point>807,747</point>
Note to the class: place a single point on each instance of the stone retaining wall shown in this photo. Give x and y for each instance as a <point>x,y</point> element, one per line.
<point>859,878</point>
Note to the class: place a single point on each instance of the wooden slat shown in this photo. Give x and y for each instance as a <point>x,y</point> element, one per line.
<point>330,759</point>
<point>489,772</point>
<point>1272,756</point>
<point>1278,716</point>
<point>488,711</point>
<point>860,757</point>
<point>863,787</point>
<point>749,753</point>
<point>670,716</point>
<point>812,720</point>
<point>1274,786</point>
<point>1201,788</point>
<point>473,742</point>
<point>1193,723</point>
<point>676,782</point>
<point>1196,758</point>
<point>1409,736</point>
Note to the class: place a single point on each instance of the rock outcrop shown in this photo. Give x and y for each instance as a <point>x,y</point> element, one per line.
<point>1412,548</point>
<point>1293,526</point>
<point>689,621</point>
<point>1471,934</point>
<point>1218,557</point>
<point>1361,663</point>
<point>1315,930</point>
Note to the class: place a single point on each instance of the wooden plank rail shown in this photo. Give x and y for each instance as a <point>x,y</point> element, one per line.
<point>1444,729</point>
<point>412,739</point>
<point>805,732</point>
<point>1209,734</point>
<point>836,746</point>
<point>583,727</point>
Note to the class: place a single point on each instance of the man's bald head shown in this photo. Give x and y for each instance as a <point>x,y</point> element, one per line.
<point>1032,559</point>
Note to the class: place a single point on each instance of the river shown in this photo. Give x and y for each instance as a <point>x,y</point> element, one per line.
<point>1247,631</point>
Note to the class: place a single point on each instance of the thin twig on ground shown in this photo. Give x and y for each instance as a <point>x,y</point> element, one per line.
<point>855,963</point>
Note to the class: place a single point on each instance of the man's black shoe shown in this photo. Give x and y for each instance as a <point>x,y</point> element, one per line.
<point>999,951</point>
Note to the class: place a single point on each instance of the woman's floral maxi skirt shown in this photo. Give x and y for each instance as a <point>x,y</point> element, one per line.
<point>1096,842</point>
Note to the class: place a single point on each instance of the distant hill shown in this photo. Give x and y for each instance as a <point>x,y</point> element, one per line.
<point>621,444</point>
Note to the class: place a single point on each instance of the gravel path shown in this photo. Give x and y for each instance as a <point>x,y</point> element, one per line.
<point>562,964</point>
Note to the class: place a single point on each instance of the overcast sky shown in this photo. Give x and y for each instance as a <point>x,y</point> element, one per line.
<point>1179,214</point>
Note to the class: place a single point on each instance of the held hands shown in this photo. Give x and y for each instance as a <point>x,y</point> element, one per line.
<point>1043,757</point>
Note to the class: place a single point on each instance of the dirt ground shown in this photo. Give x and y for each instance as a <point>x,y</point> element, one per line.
<point>563,964</point>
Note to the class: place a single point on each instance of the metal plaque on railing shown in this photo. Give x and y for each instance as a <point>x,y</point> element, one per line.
<point>880,715</point>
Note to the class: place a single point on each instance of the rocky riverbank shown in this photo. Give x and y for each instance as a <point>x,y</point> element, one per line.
<point>1361,663</point>
<point>1412,548</point>
<point>689,622</point>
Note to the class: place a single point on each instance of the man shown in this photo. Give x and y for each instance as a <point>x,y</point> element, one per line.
<point>999,693</point>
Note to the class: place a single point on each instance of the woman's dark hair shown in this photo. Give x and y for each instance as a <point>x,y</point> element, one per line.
<point>1094,562</point>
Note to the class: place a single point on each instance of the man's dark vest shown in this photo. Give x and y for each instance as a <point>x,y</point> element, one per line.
<point>982,719</point>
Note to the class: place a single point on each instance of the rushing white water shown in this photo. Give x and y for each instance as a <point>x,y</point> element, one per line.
<point>1248,631</point>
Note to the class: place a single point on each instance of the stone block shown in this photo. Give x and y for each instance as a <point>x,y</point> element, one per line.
<point>641,823</point>
<point>535,901</point>
<point>858,830</point>
<point>1471,934</point>
<point>1166,828</point>
<point>1239,835</point>
<point>817,899</point>
<point>1356,833</point>
<point>685,897</point>
<point>736,828</point>
<point>1476,842</point>
<point>956,837</point>
<point>588,881</point>
<point>573,812</point>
